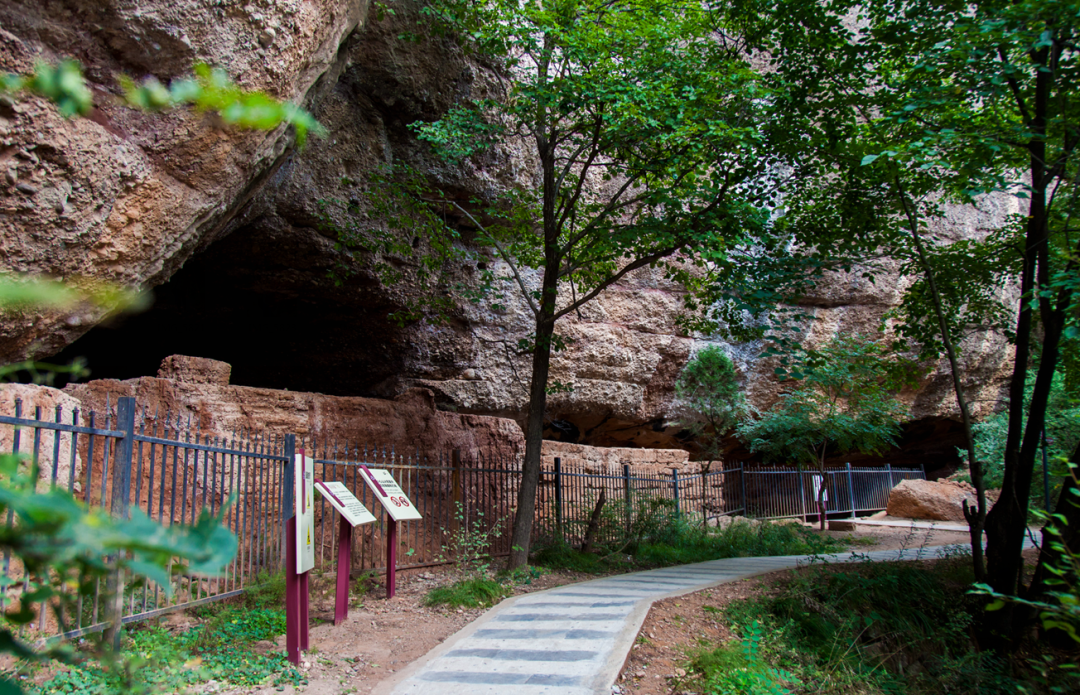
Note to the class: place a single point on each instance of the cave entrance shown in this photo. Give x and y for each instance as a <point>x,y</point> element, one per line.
<point>262,300</point>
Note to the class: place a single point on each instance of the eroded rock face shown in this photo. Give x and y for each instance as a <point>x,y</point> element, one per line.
<point>128,197</point>
<point>926,499</point>
<point>132,198</point>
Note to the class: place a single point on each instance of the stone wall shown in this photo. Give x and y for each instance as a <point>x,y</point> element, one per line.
<point>611,459</point>
<point>47,400</point>
<point>197,390</point>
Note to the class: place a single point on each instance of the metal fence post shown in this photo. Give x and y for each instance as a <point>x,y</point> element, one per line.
<point>287,506</point>
<point>802,492</point>
<point>742,484</point>
<point>675,484</point>
<point>851,490</point>
<point>458,512</point>
<point>629,501</point>
<point>558,501</point>
<point>888,467</point>
<point>119,505</point>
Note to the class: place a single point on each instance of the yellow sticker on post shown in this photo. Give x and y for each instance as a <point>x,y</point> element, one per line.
<point>386,490</point>
<point>341,499</point>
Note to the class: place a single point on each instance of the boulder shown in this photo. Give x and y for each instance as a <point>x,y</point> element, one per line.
<point>927,499</point>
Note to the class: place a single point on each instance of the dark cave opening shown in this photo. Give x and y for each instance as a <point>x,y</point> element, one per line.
<point>262,300</point>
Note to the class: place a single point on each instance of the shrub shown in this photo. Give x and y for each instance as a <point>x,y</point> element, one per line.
<point>476,592</point>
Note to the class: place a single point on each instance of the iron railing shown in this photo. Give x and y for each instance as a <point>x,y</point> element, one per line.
<point>163,464</point>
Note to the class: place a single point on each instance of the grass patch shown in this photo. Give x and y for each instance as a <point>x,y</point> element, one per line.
<point>266,591</point>
<point>677,543</point>
<point>475,592</point>
<point>884,627</point>
<point>157,660</point>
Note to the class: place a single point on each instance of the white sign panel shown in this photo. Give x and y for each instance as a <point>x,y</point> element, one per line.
<point>387,491</point>
<point>304,491</point>
<point>345,502</point>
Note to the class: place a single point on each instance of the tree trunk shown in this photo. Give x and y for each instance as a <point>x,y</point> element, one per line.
<point>521,535</point>
<point>976,518</point>
<point>594,523</point>
<point>1006,524</point>
<point>534,440</point>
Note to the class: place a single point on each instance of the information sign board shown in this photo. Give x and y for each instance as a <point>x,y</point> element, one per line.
<point>345,502</point>
<point>304,490</point>
<point>387,491</point>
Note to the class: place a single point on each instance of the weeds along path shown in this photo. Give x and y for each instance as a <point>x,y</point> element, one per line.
<point>573,640</point>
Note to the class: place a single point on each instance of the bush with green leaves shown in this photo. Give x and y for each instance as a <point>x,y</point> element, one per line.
<point>66,551</point>
<point>709,399</point>
<point>869,627</point>
<point>474,592</point>
<point>158,660</point>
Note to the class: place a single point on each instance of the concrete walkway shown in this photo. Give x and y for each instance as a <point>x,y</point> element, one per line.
<point>574,640</point>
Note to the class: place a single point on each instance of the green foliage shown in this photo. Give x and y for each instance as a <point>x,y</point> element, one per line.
<point>62,84</point>
<point>475,592</point>
<point>666,539</point>
<point>709,393</point>
<point>162,661</point>
<point>871,627</point>
<point>210,89</point>
<point>844,403</point>
<point>469,546</point>
<point>68,550</point>
<point>743,672</point>
<point>265,590</point>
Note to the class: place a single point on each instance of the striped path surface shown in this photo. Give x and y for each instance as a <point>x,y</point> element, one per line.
<point>574,639</point>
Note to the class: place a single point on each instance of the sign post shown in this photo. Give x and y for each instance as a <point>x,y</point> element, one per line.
<point>398,508</point>
<point>353,513</point>
<point>299,557</point>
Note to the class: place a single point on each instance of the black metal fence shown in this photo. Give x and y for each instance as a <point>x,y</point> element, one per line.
<point>124,458</point>
<point>121,459</point>
<point>570,496</point>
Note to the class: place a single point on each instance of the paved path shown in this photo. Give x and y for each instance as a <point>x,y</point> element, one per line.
<point>574,640</point>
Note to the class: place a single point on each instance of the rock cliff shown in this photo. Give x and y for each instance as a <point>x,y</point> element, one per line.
<point>230,228</point>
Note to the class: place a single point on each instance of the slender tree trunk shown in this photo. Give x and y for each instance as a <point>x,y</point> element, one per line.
<point>1006,524</point>
<point>534,440</point>
<point>976,518</point>
<point>521,535</point>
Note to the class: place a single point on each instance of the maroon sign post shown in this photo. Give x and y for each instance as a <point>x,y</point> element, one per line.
<point>344,564</point>
<point>391,558</point>
<point>299,550</point>
<point>352,513</point>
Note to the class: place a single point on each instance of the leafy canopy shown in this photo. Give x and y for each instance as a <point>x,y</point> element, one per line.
<point>844,402</point>
<point>710,397</point>
<point>645,118</point>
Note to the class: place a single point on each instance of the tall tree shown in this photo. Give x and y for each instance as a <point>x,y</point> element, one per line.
<point>645,122</point>
<point>711,400</point>
<point>910,104</point>
<point>844,402</point>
